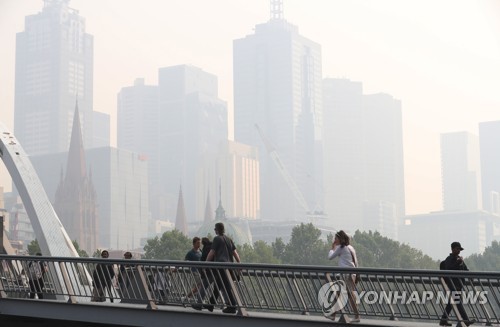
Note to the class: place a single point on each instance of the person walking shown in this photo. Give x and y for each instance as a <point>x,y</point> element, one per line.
<point>342,248</point>
<point>206,281</point>
<point>455,262</point>
<point>36,271</point>
<point>223,250</point>
<point>124,276</point>
<point>102,276</point>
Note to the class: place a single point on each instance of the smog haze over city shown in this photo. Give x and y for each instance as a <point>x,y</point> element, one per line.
<point>434,65</point>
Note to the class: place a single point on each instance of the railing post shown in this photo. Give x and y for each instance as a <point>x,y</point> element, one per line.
<point>305,312</point>
<point>241,310</point>
<point>151,302</point>
<point>393,315</point>
<point>3,295</point>
<point>67,283</point>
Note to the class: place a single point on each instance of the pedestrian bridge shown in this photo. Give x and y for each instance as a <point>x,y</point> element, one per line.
<point>161,293</point>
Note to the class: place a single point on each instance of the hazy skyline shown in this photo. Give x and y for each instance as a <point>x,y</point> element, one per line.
<point>441,59</point>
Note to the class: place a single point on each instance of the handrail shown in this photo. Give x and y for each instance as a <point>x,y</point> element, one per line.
<point>382,293</point>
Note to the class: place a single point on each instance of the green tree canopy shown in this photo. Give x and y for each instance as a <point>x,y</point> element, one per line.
<point>172,245</point>
<point>82,253</point>
<point>488,261</point>
<point>377,251</point>
<point>305,246</point>
<point>34,247</point>
<point>261,252</point>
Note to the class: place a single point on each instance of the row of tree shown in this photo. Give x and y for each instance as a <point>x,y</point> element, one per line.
<point>306,247</point>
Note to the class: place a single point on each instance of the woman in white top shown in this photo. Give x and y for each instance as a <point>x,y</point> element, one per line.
<point>342,248</point>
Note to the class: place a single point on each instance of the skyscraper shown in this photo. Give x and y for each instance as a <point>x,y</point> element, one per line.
<point>489,142</point>
<point>54,66</point>
<point>344,158</point>
<point>193,123</point>
<point>363,158</point>
<point>138,131</point>
<point>461,172</point>
<point>277,87</point>
<point>384,162</point>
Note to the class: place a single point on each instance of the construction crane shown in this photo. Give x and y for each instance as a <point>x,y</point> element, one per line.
<point>271,150</point>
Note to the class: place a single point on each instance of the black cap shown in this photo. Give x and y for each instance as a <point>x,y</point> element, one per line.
<point>456,245</point>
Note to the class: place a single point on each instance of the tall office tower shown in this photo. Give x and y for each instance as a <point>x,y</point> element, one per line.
<point>363,158</point>
<point>383,150</point>
<point>54,66</point>
<point>343,152</point>
<point>236,168</point>
<point>138,130</point>
<point>75,198</point>
<point>193,123</point>
<point>101,125</point>
<point>461,172</point>
<point>489,142</point>
<point>277,87</point>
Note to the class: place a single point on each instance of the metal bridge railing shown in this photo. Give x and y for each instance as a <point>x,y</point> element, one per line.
<point>417,295</point>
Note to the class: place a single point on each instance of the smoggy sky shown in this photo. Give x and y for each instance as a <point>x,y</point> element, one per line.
<point>441,58</point>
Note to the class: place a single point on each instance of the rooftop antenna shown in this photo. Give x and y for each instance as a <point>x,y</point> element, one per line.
<point>276,9</point>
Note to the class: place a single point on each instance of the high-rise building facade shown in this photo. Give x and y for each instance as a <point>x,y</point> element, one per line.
<point>363,158</point>
<point>344,159</point>
<point>461,171</point>
<point>277,88</point>
<point>383,150</point>
<point>489,143</point>
<point>138,131</point>
<point>236,169</point>
<point>54,66</point>
<point>193,123</point>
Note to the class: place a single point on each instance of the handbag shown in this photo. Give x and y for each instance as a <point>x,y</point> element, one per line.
<point>357,279</point>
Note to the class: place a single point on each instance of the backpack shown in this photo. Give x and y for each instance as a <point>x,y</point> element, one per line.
<point>442,265</point>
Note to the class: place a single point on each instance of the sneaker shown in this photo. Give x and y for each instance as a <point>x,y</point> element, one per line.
<point>355,320</point>
<point>229,310</point>
<point>469,322</point>
<point>197,306</point>
<point>444,322</point>
<point>331,317</point>
<point>209,307</point>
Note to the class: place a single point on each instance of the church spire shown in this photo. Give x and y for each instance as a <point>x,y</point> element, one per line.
<point>220,212</point>
<point>76,169</point>
<point>208,210</point>
<point>180,217</point>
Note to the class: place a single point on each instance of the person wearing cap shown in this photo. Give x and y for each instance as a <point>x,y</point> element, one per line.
<point>455,262</point>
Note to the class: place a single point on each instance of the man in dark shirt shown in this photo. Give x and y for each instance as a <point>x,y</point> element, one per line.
<point>223,250</point>
<point>206,280</point>
<point>194,254</point>
<point>36,270</point>
<point>455,262</point>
